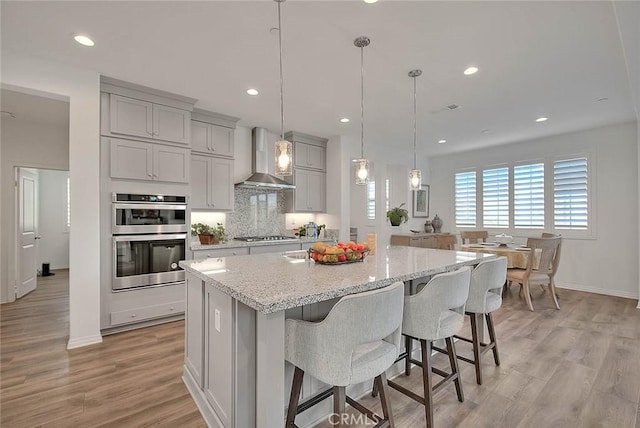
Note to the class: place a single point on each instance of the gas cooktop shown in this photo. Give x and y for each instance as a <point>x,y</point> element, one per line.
<point>266,238</point>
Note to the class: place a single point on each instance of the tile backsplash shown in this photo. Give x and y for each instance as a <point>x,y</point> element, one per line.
<point>256,212</point>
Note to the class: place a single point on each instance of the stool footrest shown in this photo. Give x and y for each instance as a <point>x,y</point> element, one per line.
<point>321,396</point>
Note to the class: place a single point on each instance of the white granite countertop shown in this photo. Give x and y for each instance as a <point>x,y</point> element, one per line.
<point>278,281</point>
<point>231,243</point>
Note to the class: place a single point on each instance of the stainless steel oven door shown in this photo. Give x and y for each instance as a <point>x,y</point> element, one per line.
<point>147,260</point>
<point>148,218</point>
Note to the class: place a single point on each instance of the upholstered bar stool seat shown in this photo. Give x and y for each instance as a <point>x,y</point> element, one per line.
<point>357,341</point>
<point>435,312</point>
<point>485,296</point>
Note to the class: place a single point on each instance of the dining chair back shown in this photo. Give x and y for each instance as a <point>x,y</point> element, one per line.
<point>446,241</point>
<point>548,235</point>
<point>544,274</point>
<point>474,236</point>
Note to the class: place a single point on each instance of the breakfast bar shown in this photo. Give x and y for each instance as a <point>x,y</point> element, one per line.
<point>235,312</point>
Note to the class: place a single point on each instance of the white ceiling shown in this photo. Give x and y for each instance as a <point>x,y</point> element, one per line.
<point>553,59</point>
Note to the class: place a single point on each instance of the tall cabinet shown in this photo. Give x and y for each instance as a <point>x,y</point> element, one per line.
<point>212,151</point>
<point>309,173</point>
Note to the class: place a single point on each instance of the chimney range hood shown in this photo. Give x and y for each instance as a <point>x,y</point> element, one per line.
<point>260,177</point>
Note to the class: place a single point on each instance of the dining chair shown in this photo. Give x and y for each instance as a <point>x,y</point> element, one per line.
<point>474,236</point>
<point>545,272</point>
<point>548,235</point>
<point>358,340</point>
<point>446,241</point>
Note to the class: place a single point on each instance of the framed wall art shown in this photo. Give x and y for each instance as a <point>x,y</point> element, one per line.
<point>421,201</point>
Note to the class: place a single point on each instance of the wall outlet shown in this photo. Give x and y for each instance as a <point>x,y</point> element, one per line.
<point>217,320</point>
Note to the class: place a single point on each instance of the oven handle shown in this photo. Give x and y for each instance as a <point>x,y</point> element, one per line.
<point>150,206</point>
<point>160,237</point>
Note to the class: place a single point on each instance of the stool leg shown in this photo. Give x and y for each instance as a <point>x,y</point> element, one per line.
<point>408,344</point>
<point>426,382</point>
<point>492,336</point>
<point>476,346</point>
<point>381,381</point>
<point>453,360</point>
<point>374,391</point>
<point>339,403</point>
<point>298,374</point>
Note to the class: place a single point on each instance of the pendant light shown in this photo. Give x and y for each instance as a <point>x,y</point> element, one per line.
<point>415,176</point>
<point>284,148</point>
<point>362,164</point>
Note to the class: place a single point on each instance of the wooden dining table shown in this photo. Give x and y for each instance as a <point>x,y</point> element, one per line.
<point>517,255</point>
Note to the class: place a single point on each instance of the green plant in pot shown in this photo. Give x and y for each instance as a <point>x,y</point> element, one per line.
<point>398,215</point>
<point>208,234</point>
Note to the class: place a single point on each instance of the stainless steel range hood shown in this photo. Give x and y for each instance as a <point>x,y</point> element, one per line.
<point>260,177</point>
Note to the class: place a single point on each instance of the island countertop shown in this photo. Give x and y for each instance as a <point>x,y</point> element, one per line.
<point>270,283</point>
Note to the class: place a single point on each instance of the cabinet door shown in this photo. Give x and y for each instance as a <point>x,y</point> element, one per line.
<point>316,194</point>
<point>221,184</point>
<point>171,164</point>
<point>200,136</point>
<point>131,117</point>
<point>275,248</point>
<point>301,196</point>
<point>171,124</point>
<point>309,156</point>
<point>200,182</point>
<point>194,328</point>
<point>221,140</point>
<point>131,159</point>
<point>415,242</point>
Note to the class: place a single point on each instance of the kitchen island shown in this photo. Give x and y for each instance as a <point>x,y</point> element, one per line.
<point>235,313</point>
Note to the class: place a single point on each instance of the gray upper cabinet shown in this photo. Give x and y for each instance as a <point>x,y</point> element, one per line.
<point>213,133</point>
<point>211,183</point>
<point>309,173</point>
<point>139,118</point>
<point>137,160</point>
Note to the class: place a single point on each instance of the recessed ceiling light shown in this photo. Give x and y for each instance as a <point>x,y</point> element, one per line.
<point>541,119</point>
<point>471,70</point>
<point>370,1</point>
<point>252,91</point>
<point>344,120</point>
<point>84,40</point>
<point>442,141</point>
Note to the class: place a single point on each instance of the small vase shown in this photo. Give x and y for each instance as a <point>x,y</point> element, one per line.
<point>428,228</point>
<point>437,224</point>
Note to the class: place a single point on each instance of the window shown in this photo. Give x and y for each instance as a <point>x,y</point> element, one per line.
<point>68,202</point>
<point>466,199</point>
<point>528,196</point>
<point>495,198</point>
<point>371,200</point>
<point>570,194</point>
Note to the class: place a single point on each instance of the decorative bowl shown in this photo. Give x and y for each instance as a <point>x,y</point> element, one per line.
<point>504,239</point>
<point>352,256</point>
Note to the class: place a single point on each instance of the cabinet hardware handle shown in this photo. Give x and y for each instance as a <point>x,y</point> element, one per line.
<point>171,308</point>
<point>235,254</point>
<point>150,175</point>
<point>150,133</point>
<point>133,315</point>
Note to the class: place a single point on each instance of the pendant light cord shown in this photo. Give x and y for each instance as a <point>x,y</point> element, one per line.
<point>414,122</point>
<point>361,102</point>
<point>281,76</point>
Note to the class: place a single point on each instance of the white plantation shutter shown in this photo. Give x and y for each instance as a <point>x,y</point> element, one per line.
<point>528,196</point>
<point>495,198</point>
<point>371,200</point>
<point>570,194</point>
<point>466,199</point>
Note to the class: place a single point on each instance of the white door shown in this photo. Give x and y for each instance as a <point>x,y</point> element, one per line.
<point>27,232</point>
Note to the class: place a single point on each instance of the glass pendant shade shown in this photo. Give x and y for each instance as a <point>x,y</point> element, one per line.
<point>415,179</point>
<point>284,155</point>
<point>362,171</point>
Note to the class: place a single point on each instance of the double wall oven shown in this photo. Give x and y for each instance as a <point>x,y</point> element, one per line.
<point>149,234</point>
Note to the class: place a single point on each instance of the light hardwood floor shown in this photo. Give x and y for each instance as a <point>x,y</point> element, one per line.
<point>577,367</point>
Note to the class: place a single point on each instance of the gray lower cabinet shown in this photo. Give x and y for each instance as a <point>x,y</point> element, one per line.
<point>194,337</point>
<point>138,118</point>
<point>275,248</point>
<point>137,160</point>
<point>310,192</point>
<point>220,252</point>
<point>211,183</point>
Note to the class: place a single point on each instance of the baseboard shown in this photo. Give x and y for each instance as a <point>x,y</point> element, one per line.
<point>598,290</point>
<point>209,416</point>
<point>84,341</point>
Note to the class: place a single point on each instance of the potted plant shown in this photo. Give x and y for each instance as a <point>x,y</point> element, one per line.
<point>207,234</point>
<point>398,215</point>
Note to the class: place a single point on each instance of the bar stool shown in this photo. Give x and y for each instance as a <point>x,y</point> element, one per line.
<point>485,296</point>
<point>358,340</point>
<point>435,312</point>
